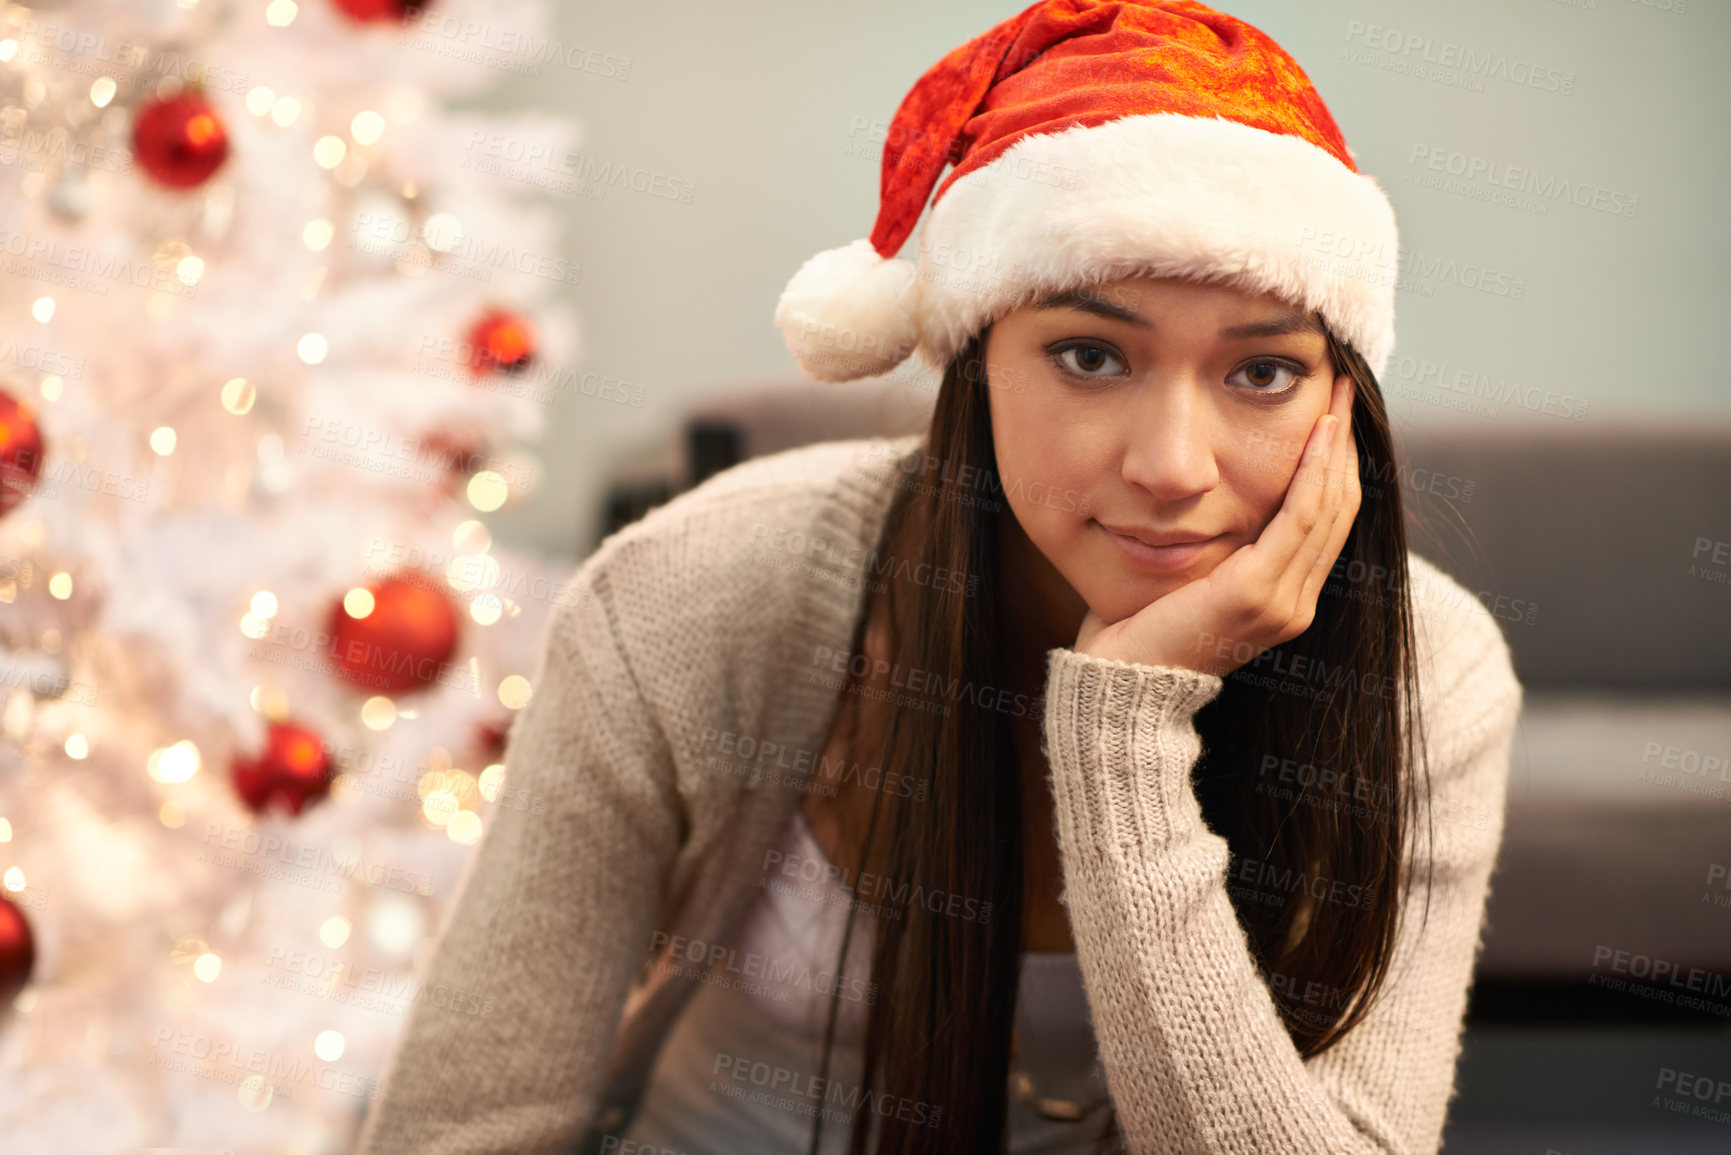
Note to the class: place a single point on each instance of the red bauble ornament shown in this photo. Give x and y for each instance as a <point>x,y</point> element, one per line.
<point>20,451</point>
<point>180,141</point>
<point>501,340</point>
<point>294,769</point>
<point>17,951</point>
<point>402,643</point>
<point>371,10</point>
<point>491,739</point>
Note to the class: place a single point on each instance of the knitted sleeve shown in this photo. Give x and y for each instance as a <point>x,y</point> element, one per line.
<point>1196,1056</point>
<point>505,1048</point>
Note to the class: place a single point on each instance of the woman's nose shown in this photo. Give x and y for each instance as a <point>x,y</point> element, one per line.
<point>1169,446</point>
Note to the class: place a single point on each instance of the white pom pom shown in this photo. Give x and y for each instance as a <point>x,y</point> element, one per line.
<point>849,313</point>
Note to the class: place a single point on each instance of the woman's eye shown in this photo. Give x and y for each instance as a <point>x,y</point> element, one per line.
<point>1265,376</point>
<point>1087,360</point>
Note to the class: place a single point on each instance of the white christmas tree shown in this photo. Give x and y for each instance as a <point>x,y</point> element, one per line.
<point>276,330</point>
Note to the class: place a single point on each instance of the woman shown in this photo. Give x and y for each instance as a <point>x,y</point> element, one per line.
<point>1126,790</point>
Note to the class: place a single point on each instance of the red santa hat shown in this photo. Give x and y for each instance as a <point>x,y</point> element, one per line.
<point>1093,141</point>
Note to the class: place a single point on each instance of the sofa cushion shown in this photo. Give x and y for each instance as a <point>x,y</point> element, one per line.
<point>1618,837</point>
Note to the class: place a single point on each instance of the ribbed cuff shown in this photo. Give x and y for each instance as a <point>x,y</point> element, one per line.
<point>1121,745</point>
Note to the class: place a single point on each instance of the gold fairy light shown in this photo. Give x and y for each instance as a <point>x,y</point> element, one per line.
<point>395,923</point>
<point>487,491</point>
<point>367,127</point>
<point>271,701</point>
<point>514,691</point>
<point>238,396</point>
<point>490,780</point>
<point>464,828</point>
<point>378,713</point>
<point>439,806</point>
<point>328,151</point>
<point>442,233</point>
<point>255,1092</point>
<point>174,764</point>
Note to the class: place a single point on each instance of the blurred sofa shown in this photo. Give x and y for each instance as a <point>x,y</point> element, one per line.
<point>1603,550</point>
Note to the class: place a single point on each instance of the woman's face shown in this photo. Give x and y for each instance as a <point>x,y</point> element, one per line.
<point>1155,409</point>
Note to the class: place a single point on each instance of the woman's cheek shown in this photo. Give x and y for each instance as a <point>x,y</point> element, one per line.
<point>1262,478</point>
<point>1022,433</point>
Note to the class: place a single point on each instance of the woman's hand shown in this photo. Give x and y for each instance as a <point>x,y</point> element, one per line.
<point>1265,593</point>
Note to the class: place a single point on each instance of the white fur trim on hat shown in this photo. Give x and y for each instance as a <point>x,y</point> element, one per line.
<point>850,313</point>
<point>1165,195</point>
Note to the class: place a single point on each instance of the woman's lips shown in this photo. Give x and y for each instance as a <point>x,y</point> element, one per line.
<point>1159,558</point>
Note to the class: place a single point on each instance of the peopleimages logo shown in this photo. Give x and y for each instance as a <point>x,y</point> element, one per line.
<point>1466,61</point>
<point>709,958</point>
<point>1479,176</point>
<point>798,1092</point>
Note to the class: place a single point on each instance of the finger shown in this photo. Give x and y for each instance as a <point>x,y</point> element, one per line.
<point>1333,497</point>
<point>1309,555</point>
<point>1351,496</point>
<point>1277,547</point>
<point>1314,555</point>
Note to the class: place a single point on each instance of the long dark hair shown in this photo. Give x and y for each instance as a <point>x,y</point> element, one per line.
<point>939,1034</point>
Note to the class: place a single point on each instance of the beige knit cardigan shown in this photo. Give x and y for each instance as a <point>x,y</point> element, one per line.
<point>672,722</point>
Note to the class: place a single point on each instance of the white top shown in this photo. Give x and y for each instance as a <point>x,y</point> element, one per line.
<point>737,1069</point>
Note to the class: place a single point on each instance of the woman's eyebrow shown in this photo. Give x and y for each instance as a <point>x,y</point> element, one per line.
<point>1088,303</point>
<point>1100,307</point>
<point>1279,326</point>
